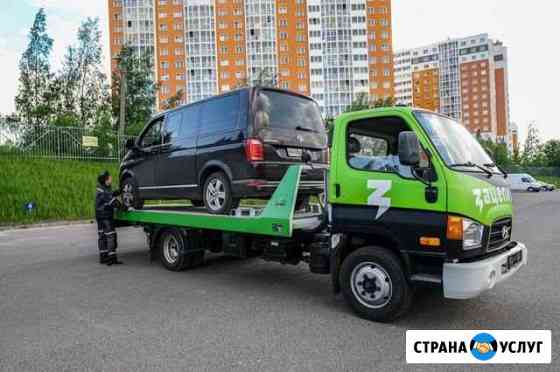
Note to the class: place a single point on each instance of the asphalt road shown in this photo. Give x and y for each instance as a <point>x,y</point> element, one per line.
<point>61,310</point>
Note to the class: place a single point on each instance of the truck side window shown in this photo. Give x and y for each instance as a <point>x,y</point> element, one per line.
<point>152,136</point>
<point>372,145</point>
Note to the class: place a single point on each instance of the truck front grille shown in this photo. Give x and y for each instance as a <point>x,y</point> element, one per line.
<point>500,233</point>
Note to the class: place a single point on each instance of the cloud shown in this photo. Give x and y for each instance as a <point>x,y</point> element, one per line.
<point>91,8</point>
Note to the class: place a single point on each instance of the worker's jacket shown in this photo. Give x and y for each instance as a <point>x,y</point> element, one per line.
<point>105,203</point>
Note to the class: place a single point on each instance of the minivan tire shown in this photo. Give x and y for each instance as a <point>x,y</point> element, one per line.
<point>130,194</point>
<point>217,194</point>
<point>386,295</point>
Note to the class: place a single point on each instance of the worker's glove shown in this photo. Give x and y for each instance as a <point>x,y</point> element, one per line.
<point>117,204</point>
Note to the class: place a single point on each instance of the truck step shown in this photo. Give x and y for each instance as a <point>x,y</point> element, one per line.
<point>432,279</point>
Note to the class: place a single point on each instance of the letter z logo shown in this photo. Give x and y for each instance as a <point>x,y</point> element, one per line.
<point>377,196</point>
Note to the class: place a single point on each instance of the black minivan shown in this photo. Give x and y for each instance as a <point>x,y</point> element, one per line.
<point>225,148</point>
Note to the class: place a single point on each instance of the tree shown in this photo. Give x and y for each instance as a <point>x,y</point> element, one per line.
<point>81,85</point>
<point>362,101</point>
<point>141,89</point>
<point>532,148</point>
<point>31,99</point>
<point>174,100</point>
<point>551,151</point>
<point>263,77</point>
<point>384,102</point>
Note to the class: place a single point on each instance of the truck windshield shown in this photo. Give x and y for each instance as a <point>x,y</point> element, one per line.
<point>454,143</point>
<point>288,111</point>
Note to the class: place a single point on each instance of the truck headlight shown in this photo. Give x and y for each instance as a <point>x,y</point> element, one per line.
<point>466,230</point>
<point>472,234</point>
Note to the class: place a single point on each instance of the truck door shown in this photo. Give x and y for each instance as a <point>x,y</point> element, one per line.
<point>372,190</point>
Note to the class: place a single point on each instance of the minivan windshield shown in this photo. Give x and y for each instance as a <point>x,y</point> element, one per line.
<point>279,110</point>
<point>454,143</point>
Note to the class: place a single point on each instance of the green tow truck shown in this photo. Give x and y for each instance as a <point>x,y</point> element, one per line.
<point>411,199</point>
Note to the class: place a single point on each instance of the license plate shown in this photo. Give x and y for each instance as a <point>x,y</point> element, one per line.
<point>514,259</point>
<point>294,152</point>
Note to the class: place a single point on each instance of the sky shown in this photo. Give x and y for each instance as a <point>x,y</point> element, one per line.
<point>526,28</point>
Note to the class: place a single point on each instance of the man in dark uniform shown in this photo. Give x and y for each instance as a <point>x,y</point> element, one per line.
<point>105,204</point>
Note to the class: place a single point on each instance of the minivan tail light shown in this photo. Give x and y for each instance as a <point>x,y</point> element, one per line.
<point>254,150</point>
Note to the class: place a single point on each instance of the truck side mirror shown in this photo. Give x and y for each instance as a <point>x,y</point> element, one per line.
<point>130,143</point>
<point>409,149</point>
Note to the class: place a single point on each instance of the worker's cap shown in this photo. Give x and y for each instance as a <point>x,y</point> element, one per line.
<point>103,177</point>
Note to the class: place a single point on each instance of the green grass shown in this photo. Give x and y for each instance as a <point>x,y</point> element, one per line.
<point>61,189</point>
<point>549,179</point>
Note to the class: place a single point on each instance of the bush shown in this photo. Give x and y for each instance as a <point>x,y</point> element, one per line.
<point>60,189</point>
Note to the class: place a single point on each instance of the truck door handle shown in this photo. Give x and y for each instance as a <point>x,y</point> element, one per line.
<point>337,190</point>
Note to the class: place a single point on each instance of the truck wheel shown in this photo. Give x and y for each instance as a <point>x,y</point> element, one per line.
<point>373,282</point>
<point>130,194</point>
<point>218,198</point>
<point>171,248</point>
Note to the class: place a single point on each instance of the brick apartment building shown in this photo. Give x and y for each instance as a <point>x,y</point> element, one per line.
<point>332,50</point>
<point>464,78</point>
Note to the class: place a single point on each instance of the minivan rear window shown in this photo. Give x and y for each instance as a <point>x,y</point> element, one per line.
<point>287,111</point>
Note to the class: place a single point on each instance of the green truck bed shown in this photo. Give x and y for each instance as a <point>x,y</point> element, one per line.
<point>276,219</point>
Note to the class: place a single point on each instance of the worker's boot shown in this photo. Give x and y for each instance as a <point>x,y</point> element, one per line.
<point>113,261</point>
<point>102,258</point>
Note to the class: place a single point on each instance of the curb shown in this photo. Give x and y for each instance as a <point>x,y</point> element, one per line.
<point>45,224</point>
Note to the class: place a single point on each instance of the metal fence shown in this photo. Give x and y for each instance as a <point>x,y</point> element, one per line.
<point>60,142</point>
<point>535,171</point>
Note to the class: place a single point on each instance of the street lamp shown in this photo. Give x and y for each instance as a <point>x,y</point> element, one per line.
<point>123,87</point>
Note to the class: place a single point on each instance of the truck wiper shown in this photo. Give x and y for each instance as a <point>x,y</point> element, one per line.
<point>305,129</point>
<point>493,165</point>
<point>470,164</point>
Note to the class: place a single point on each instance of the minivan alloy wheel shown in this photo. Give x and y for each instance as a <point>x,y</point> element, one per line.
<point>216,194</point>
<point>128,195</point>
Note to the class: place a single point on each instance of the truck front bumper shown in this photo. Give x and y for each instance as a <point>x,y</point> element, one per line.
<point>468,280</point>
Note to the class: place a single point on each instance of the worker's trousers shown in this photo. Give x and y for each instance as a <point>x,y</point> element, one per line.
<point>107,240</point>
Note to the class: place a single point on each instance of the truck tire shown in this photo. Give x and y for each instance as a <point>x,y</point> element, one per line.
<point>374,283</point>
<point>171,246</point>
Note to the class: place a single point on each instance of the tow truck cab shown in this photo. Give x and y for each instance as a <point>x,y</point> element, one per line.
<point>417,187</point>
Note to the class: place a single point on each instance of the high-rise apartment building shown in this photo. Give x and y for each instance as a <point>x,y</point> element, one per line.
<point>466,79</point>
<point>332,50</point>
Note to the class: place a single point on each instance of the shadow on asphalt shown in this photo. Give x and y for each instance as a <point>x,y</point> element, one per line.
<point>428,311</point>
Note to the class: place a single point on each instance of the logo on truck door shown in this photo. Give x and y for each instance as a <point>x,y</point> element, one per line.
<point>377,198</point>
<point>491,196</point>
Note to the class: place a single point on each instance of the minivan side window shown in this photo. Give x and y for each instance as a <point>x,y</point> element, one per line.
<point>172,126</point>
<point>152,136</point>
<point>190,121</point>
<point>220,115</point>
